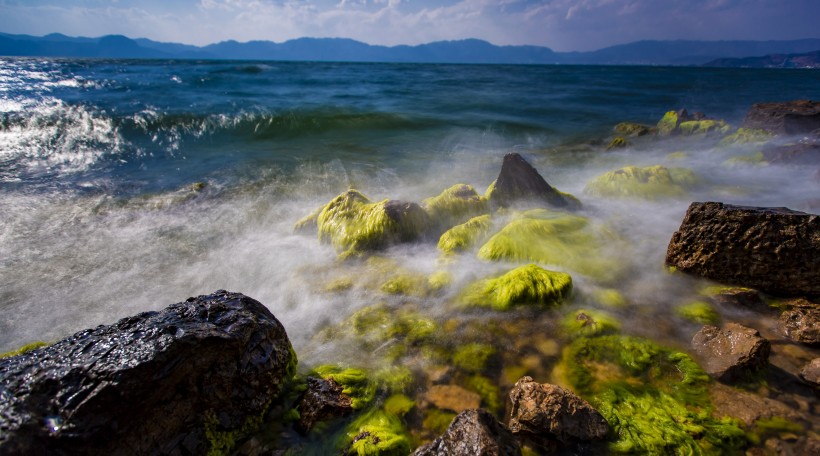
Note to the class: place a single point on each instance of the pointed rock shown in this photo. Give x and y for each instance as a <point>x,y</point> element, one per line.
<point>519,181</point>
<point>473,433</point>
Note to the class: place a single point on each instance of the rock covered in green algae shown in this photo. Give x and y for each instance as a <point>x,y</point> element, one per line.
<point>466,235</point>
<point>355,384</point>
<point>455,205</point>
<point>377,433</point>
<point>617,143</point>
<point>703,127</point>
<point>698,312</point>
<point>746,136</point>
<point>353,224</point>
<point>632,129</point>
<point>550,237</point>
<point>590,323</point>
<point>525,285</point>
<point>519,182</point>
<point>651,182</point>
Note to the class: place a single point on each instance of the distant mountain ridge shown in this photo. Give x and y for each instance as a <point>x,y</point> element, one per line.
<point>679,52</point>
<point>802,60</point>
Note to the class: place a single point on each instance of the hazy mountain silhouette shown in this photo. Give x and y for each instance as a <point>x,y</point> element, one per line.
<point>680,52</point>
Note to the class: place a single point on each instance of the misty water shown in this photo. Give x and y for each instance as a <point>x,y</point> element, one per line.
<point>126,186</point>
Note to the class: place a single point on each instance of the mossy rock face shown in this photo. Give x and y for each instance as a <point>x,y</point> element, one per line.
<point>651,182</point>
<point>655,399</point>
<point>699,312</point>
<point>632,129</point>
<point>465,236</point>
<point>376,433</point>
<point>454,206</point>
<point>703,127</point>
<point>746,136</point>
<point>353,224</point>
<point>617,143</point>
<point>354,382</point>
<point>668,123</point>
<point>590,323</point>
<point>526,285</point>
<point>550,237</point>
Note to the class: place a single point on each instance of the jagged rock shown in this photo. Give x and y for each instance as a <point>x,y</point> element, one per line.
<point>789,117</point>
<point>747,407</point>
<point>731,352</point>
<point>452,397</point>
<point>184,380</point>
<point>323,401</point>
<point>811,372</point>
<point>775,250</point>
<point>632,129</point>
<point>519,181</point>
<point>548,414</point>
<point>801,322</point>
<point>473,433</point>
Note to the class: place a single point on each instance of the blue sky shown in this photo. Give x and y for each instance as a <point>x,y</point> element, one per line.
<point>564,25</point>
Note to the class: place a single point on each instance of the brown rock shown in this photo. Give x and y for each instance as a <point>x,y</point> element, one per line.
<point>452,397</point>
<point>731,352</point>
<point>789,117</point>
<point>740,297</point>
<point>473,433</point>
<point>811,372</point>
<point>801,322</point>
<point>545,414</point>
<point>322,401</point>
<point>747,407</point>
<point>775,250</point>
<point>519,181</point>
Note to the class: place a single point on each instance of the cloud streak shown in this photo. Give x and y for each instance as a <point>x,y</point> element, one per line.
<point>560,24</point>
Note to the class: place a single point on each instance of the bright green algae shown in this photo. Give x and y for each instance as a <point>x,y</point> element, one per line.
<point>455,205</point>
<point>651,182</point>
<point>703,127</point>
<point>525,285</point>
<point>24,349</point>
<point>746,136</point>
<point>699,312</point>
<point>466,235</point>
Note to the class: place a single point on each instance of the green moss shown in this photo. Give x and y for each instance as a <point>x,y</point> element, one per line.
<point>398,405</point>
<point>703,127</point>
<point>631,129</point>
<point>525,285</point>
<point>437,421</point>
<point>746,136</point>
<point>651,182</point>
<point>473,357</point>
<point>668,123</point>
<point>377,433</point>
<point>617,143</point>
<point>489,392</point>
<point>550,237</point>
<point>439,280</point>
<point>590,323</point>
<point>406,284</point>
<point>309,223</point>
<point>24,349</point>
<point>775,426</point>
<point>755,159</point>
<point>354,383</point>
<point>354,225</point>
<point>378,326</point>
<point>610,297</point>
<point>699,312</point>
<point>394,379</point>
<point>455,205</point>
<point>466,235</point>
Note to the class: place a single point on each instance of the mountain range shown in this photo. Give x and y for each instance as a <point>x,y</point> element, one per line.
<point>678,52</point>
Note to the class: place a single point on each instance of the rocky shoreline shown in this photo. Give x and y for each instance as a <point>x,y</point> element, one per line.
<point>217,374</point>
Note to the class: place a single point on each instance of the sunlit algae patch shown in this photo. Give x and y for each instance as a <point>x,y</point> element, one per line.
<point>651,182</point>
<point>525,285</point>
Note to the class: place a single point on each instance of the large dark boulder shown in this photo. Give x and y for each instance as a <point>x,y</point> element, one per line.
<point>518,181</point>
<point>473,433</point>
<point>185,380</point>
<point>788,117</point>
<point>732,352</point>
<point>550,416</point>
<point>775,250</point>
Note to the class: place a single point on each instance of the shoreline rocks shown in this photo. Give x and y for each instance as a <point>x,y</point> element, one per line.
<point>188,379</point>
<point>473,432</point>
<point>788,117</point>
<point>731,352</point>
<point>519,181</point>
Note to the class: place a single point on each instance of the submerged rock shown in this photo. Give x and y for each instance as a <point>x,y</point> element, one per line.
<point>324,400</point>
<point>811,372</point>
<point>801,322</point>
<point>185,380</point>
<point>548,415</point>
<point>785,118</point>
<point>732,352</point>
<point>519,181</point>
<point>452,397</point>
<point>775,250</point>
<point>651,182</point>
<point>473,433</point>
<point>747,298</point>
<point>746,406</point>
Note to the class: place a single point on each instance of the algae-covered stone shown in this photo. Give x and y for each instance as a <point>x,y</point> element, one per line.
<point>473,357</point>
<point>617,143</point>
<point>377,433</point>
<point>703,127</point>
<point>650,182</point>
<point>698,312</point>
<point>746,136</point>
<point>353,224</point>
<point>354,382</point>
<point>466,235</point>
<point>455,205</point>
<point>668,123</point>
<point>526,285</point>
<point>550,237</point>
<point>590,323</point>
<point>632,129</point>
<point>24,349</point>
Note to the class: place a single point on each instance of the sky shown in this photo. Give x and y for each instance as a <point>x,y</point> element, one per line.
<point>563,25</point>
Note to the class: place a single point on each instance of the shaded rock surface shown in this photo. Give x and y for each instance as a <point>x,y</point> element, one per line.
<point>731,352</point>
<point>323,401</point>
<point>746,298</point>
<point>473,433</point>
<point>775,250</point>
<point>519,181</point>
<point>546,413</point>
<point>801,322</point>
<point>148,384</point>
<point>452,397</point>
<point>746,406</point>
<point>811,372</point>
<point>789,117</point>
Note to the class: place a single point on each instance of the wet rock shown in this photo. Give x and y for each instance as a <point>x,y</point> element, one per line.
<point>323,401</point>
<point>452,397</point>
<point>548,414</point>
<point>747,407</point>
<point>800,153</point>
<point>811,372</point>
<point>731,352</point>
<point>801,322</point>
<point>473,433</point>
<point>775,250</point>
<point>519,181</point>
<point>632,129</point>
<point>789,117</point>
<point>184,380</point>
<point>746,298</point>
